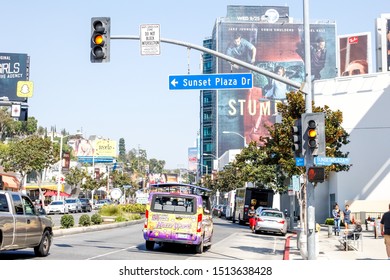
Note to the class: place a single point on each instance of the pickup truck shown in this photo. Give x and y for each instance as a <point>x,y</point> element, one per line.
<point>22,225</point>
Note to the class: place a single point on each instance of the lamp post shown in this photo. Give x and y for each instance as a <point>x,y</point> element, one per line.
<point>59,170</point>
<point>236,133</point>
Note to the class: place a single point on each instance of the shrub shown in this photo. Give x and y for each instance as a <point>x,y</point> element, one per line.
<point>67,221</point>
<point>96,219</point>
<point>110,210</point>
<point>120,219</point>
<point>84,220</point>
<point>329,221</point>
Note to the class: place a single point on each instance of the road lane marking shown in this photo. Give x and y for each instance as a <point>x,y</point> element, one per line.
<point>110,253</point>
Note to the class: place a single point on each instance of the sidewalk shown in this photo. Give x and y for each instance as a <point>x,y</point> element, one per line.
<point>331,249</point>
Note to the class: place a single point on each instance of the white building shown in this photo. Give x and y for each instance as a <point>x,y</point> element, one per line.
<point>364,101</point>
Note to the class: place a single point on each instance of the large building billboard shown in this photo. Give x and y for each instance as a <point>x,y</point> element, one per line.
<point>13,68</point>
<point>355,54</point>
<point>278,48</point>
<point>99,150</point>
<point>383,43</point>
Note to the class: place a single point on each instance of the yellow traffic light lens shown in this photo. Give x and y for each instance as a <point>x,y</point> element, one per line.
<point>312,133</point>
<point>98,39</point>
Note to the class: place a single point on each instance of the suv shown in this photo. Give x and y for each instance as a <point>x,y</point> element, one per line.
<point>74,205</point>
<point>86,205</point>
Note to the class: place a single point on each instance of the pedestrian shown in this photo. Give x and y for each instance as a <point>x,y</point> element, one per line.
<point>347,216</point>
<point>336,217</point>
<point>252,220</point>
<point>385,231</point>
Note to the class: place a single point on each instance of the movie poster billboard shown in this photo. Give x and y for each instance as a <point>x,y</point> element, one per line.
<point>13,68</point>
<point>383,43</point>
<point>278,48</point>
<point>355,54</point>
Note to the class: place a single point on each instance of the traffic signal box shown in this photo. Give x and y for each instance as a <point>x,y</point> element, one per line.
<point>100,39</point>
<point>316,174</point>
<point>313,134</point>
<point>296,137</point>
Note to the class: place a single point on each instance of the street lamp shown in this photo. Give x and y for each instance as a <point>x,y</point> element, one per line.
<point>215,162</point>
<point>236,133</point>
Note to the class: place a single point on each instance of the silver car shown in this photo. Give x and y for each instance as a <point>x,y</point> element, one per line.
<point>271,221</point>
<point>74,205</point>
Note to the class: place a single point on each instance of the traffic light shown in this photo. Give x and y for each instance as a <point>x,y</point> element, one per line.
<point>316,174</point>
<point>100,39</point>
<point>313,134</point>
<point>296,137</point>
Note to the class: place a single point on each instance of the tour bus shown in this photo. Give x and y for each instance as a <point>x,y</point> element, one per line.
<point>178,213</point>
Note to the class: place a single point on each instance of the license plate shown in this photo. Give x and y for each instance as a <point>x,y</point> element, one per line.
<point>182,236</point>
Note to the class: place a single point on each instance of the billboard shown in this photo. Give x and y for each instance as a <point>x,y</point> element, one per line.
<point>93,148</point>
<point>192,159</point>
<point>13,68</point>
<point>383,43</point>
<point>355,54</point>
<point>278,48</point>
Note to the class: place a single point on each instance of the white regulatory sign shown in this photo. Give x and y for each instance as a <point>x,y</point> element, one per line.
<point>150,39</point>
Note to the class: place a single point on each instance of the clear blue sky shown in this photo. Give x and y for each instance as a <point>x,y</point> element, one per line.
<point>129,97</point>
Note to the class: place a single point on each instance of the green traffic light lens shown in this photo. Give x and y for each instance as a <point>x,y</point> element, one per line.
<point>98,52</point>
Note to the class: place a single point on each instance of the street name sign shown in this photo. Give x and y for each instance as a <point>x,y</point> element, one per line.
<point>150,39</point>
<point>212,81</point>
<point>326,161</point>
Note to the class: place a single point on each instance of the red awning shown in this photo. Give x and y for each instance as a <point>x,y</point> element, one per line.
<point>54,193</point>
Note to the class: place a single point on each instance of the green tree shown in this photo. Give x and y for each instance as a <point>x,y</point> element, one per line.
<point>75,177</point>
<point>32,153</point>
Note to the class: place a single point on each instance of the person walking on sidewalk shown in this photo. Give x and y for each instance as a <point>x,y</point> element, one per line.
<point>385,231</point>
<point>336,217</point>
<point>251,215</point>
<point>347,216</point>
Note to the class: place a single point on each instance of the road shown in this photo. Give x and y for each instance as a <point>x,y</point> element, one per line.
<point>230,241</point>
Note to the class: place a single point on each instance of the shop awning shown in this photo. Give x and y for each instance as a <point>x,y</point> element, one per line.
<point>54,193</point>
<point>10,182</point>
<point>44,187</point>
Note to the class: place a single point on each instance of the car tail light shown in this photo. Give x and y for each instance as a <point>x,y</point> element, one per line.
<point>146,219</point>
<point>281,221</point>
<point>200,218</point>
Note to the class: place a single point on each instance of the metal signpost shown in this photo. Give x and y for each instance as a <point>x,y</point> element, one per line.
<point>212,81</point>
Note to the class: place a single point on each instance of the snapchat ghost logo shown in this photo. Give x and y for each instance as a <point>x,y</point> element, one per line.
<point>24,89</point>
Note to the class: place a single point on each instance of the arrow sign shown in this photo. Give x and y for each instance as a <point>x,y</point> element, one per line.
<point>212,81</point>
<point>326,161</point>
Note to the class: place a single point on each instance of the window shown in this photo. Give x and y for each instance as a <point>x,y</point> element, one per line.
<point>3,203</point>
<point>28,206</point>
<point>174,204</point>
<point>18,204</point>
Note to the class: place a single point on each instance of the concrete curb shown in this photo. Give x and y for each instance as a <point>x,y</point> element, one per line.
<point>74,230</point>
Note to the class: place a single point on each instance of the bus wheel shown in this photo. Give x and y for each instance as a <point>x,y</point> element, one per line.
<point>199,247</point>
<point>149,245</point>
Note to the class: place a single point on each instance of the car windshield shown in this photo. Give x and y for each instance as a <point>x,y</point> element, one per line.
<point>70,201</point>
<point>57,203</point>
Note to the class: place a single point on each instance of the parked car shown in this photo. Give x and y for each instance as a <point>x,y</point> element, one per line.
<point>86,205</point>
<point>216,210</point>
<point>99,204</point>
<point>271,221</point>
<point>58,206</point>
<point>74,205</point>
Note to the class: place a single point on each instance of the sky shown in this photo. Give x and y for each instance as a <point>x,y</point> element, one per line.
<point>129,97</point>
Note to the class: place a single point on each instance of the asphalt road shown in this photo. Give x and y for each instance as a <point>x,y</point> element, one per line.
<point>230,241</point>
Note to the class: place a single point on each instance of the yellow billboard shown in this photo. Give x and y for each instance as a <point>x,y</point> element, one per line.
<point>105,148</point>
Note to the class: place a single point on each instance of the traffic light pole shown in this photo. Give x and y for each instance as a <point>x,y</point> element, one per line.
<point>223,56</point>
<point>309,160</point>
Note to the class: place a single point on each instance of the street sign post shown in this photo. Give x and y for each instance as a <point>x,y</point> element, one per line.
<point>212,81</point>
<point>150,39</point>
